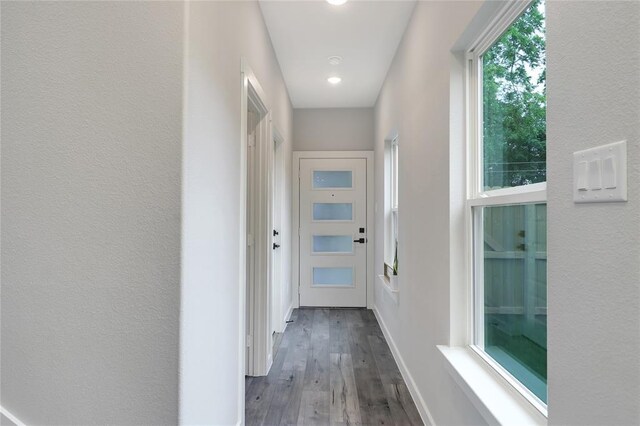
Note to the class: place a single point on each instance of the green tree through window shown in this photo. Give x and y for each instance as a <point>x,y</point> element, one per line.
<point>514,104</point>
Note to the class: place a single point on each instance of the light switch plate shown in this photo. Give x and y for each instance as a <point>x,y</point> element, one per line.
<point>600,174</point>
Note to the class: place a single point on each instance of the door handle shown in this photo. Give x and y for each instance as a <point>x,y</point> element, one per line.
<point>275,246</point>
<point>360,240</point>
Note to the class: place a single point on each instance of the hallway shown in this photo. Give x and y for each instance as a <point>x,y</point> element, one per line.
<point>333,367</point>
<point>331,212</point>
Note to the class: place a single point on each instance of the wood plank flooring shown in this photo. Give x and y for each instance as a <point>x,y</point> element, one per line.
<point>333,367</point>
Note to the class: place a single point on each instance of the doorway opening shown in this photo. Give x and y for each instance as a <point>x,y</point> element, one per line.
<point>333,214</point>
<point>257,251</point>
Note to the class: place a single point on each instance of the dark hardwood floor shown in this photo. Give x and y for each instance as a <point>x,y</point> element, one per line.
<point>333,367</point>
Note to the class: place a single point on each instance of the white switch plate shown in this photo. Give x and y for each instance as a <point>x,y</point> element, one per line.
<point>600,174</point>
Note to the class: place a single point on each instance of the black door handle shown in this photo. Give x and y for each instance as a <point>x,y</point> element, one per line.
<point>275,246</point>
<point>360,240</point>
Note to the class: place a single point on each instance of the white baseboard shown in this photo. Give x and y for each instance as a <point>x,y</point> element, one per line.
<point>425,414</point>
<point>269,362</point>
<point>287,316</point>
<point>11,417</point>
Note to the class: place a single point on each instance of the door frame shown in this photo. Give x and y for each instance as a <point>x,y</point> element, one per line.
<point>278,207</point>
<point>259,295</point>
<point>295,229</point>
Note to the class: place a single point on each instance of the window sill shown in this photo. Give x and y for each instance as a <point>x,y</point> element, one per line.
<point>496,400</point>
<point>393,292</point>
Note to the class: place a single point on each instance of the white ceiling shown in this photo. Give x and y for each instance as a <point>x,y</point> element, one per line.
<point>365,33</point>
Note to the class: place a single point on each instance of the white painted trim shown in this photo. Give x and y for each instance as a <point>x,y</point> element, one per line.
<point>264,253</point>
<point>502,19</point>
<point>423,409</point>
<point>253,81</point>
<point>242,246</point>
<point>510,196</point>
<point>269,360</point>
<point>495,20</point>
<point>295,205</point>
<point>287,316</point>
<point>278,208</point>
<point>478,274</point>
<point>295,230</point>
<point>370,228</point>
<point>497,23</point>
<point>250,90</point>
<point>523,391</point>
<point>11,417</point>
<point>459,290</point>
<point>387,201</point>
<point>497,400</point>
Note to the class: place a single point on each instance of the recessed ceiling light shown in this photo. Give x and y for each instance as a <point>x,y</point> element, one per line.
<point>335,60</point>
<point>336,2</point>
<point>334,80</point>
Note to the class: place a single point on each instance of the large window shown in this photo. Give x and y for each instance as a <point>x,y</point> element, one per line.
<point>507,197</point>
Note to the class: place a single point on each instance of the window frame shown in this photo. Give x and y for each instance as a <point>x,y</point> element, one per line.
<point>477,197</point>
<point>391,201</point>
<point>394,174</point>
<point>395,161</point>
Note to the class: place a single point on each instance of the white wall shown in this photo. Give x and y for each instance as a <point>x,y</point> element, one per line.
<point>219,34</point>
<point>333,129</point>
<point>594,298</point>
<point>414,101</point>
<point>92,127</point>
<point>91,141</point>
<point>4,421</point>
<point>594,249</point>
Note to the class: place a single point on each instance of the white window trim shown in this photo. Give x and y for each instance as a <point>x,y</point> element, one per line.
<point>394,174</point>
<point>497,400</point>
<point>477,197</point>
<point>391,197</point>
<point>395,166</point>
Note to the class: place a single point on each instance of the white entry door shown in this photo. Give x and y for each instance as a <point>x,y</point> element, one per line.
<point>333,220</point>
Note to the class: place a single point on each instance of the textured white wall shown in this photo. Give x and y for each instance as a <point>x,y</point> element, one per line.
<point>333,129</point>
<point>594,297</point>
<point>219,34</point>
<point>91,141</point>
<point>593,74</point>
<point>414,101</point>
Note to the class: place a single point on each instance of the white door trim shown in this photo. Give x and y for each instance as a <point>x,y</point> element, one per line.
<point>278,194</point>
<point>252,93</point>
<point>295,216</point>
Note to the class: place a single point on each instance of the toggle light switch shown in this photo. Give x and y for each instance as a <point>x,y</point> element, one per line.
<point>582,176</point>
<point>609,173</point>
<point>595,175</point>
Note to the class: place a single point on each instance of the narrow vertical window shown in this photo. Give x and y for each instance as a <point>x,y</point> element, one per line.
<point>391,211</point>
<point>507,199</point>
<point>394,174</point>
<point>394,204</point>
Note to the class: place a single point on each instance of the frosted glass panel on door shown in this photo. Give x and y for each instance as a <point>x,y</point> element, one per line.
<point>332,244</point>
<point>333,276</point>
<point>332,179</point>
<point>332,211</point>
